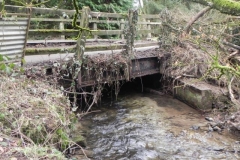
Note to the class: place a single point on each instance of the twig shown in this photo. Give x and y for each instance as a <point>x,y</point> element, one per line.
<point>190,76</point>
<point>232,55</point>
<point>48,137</point>
<point>94,100</point>
<point>231,93</point>
<point>84,93</point>
<point>74,143</point>
<point>21,134</point>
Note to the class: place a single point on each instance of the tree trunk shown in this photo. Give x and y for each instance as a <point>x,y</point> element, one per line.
<point>224,6</point>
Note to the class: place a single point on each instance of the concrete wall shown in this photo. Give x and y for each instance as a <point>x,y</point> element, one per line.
<point>200,95</point>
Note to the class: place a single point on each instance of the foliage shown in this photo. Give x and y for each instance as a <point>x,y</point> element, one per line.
<point>231,7</point>
<point>113,6</point>
<point>169,31</point>
<point>40,152</point>
<point>27,3</point>
<point>63,4</point>
<point>38,114</point>
<point>4,66</point>
<point>156,6</point>
<point>202,54</point>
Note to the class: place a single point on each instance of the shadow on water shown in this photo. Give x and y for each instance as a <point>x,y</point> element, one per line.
<point>141,126</point>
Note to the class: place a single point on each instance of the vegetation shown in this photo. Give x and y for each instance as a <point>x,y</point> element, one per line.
<point>4,66</point>
<point>38,115</point>
<point>156,6</point>
<point>113,6</point>
<point>225,6</point>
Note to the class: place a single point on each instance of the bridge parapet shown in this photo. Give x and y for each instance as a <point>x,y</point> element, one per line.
<point>101,69</point>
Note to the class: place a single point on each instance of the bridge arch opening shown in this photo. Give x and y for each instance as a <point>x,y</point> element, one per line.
<point>111,92</point>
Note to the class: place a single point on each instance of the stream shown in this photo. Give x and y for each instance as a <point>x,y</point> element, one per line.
<point>142,126</point>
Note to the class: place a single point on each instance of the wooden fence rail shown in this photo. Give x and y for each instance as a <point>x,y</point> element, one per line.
<point>61,20</point>
<point>95,18</point>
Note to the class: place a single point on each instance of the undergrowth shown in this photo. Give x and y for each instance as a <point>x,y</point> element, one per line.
<point>36,117</point>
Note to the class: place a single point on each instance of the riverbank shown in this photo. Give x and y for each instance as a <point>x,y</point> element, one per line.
<point>35,120</point>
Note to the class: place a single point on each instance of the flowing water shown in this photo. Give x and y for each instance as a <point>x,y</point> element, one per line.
<point>153,127</point>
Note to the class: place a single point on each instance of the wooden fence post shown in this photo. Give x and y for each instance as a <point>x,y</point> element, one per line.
<point>149,35</point>
<point>130,34</point>
<point>82,39</point>
<point>61,27</point>
<point>122,27</point>
<point>95,28</point>
<point>131,31</point>
<point>1,7</point>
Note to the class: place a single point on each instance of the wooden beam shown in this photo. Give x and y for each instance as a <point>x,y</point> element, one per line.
<point>150,16</point>
<point>71,32</point>
<point>108,15</point>
<point>21,9</point>
<point>57,32</point>
<point>90,21</point>
<point>1,7</point>
<point>83,35</point>
<point>95,28</point>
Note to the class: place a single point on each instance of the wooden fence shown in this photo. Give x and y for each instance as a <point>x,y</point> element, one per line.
<point>62,19</point>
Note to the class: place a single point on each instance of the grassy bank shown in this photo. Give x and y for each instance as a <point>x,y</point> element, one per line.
<point>35,120</point>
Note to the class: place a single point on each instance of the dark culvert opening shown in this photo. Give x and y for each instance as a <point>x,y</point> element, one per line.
<point>139,84</point>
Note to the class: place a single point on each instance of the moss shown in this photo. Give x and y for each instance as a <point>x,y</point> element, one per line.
<point>36,51</point>
<point>227,6</point>
<point>54,30</point>
<point>103,47</point>
<point>48,32</point>
<point>40,51</point>
<point>224,6</point>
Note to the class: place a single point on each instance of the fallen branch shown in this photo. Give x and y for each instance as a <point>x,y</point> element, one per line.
<point>231,45</point>
<point>189,76</point>
<point>195,18</point>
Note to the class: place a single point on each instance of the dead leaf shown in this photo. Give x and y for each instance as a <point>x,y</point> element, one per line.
<point>1,150</point>
<point>1,139</point>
